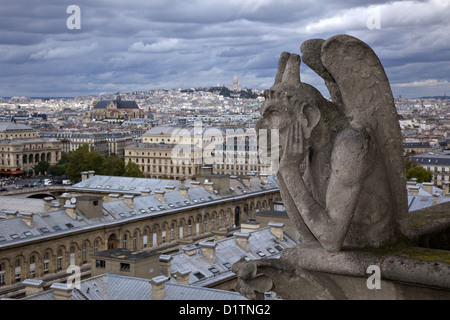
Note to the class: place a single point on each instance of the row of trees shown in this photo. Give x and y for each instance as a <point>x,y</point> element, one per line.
<point>75,162</point>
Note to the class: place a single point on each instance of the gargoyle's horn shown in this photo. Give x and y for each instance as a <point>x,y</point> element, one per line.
<point>292,70</point>
<point>281,66</point>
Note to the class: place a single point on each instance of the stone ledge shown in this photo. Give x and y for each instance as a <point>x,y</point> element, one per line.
<point>412,265</point>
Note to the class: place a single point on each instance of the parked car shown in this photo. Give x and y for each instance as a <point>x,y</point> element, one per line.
<point>3,189</point>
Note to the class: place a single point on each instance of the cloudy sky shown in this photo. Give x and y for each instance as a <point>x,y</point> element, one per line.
<point>148,44</point>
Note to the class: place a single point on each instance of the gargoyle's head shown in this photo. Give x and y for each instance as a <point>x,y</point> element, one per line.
<point>287,101</point>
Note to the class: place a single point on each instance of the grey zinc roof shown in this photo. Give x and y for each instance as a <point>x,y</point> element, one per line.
<point>45,224</point>
<point>58,221</point>
<point>12,126</point>
<point>110,286</point>
<point>227,252</point>
<point>21,204</point>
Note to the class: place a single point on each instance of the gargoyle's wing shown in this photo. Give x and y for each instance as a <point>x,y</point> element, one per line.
<point>311,55</point>
<point>368,102</point>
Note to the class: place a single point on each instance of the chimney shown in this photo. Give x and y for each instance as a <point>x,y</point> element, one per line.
<point>183,276</point>
<point>190,249</point>
<point>165,264</point>
<point>264,177</point>
<point>145,192</point>
<point>169,188</point>
<point>91,174</point>
<point>10,213</point>
<point>242,239</point>
<point>84,175</point>
<point>184,191</point>
<point>47,201</point>
<point>112,196</point>
<point>33,286</point>
<point>61,291</point>
<point>246,181</point>
<point>428,187</point>
<point>195,183</point>
<point>129,200</point>
<point>445,188</point>
<point>249,226</point>
<point>70,210</point>
<point>414,190</point>
<point>158,287</point>
<point>209,187</point>
<point>160,195</point>
<point>209,250</point>
<point>276,228</point>
<point>435,198</point>
<point>182,181</point>
<point>27,217</point>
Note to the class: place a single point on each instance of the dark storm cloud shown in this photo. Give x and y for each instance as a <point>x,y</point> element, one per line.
<point>141,44</point>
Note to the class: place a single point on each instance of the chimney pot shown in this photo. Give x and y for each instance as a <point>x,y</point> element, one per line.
<point>158,287</point>
<point>33,286</point>
<point>209,250</point>
<point>183,276</point>
<point>242,239</point>
<point>84,175</point>
<point>27,217</point>
<point>70,211</point>
<point>160,195</point>
<point>165,264</point>
<point>61,291</point>
<point>276,228</point>
<point>129,200</point>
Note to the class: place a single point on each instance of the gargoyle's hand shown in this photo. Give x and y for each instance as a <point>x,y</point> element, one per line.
<point>294,149</point>
<point>250,283</point>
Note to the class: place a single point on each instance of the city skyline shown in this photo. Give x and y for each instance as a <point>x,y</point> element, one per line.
<point>46,50</point>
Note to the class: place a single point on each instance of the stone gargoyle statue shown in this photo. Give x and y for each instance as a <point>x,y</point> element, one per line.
<point>341,168</point>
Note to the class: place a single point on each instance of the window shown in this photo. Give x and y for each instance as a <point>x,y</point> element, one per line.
<point>56,228</point>
<point>227,265</point>
<point>46,263</point>
<point>59,260</point>
<point>100,263</point>
<point>15,236</point>
<point>261,254</point>
<point>124,241</point>
<point>124,267</point>
<point>199,275</point>
<point>83,254</point>
<point>95,246</point>
<point>214,270</point>
<point>44,230</point>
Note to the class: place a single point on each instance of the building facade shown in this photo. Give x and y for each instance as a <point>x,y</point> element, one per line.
<point>103,212</point>
<point>438,163</point>
<point>21,149</point>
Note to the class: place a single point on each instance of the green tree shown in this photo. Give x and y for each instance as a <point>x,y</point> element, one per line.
<point>113,166</point>
<point>420,173</point>
<point>83,160</point>
<point>42,167</point>
<point>132,170</point>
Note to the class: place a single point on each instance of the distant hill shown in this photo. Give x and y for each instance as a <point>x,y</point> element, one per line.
<point>434,97</point>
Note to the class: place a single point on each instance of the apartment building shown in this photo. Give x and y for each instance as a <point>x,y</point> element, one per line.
<point>21,149</point>
<point>106,212</point>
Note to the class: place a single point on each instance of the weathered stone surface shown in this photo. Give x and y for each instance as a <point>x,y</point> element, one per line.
<point>341,176</point>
